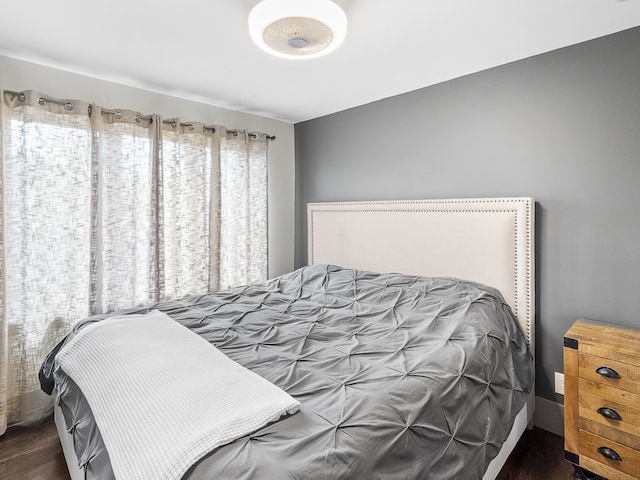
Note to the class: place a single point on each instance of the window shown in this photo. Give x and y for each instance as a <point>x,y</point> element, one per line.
<point>104,210</point>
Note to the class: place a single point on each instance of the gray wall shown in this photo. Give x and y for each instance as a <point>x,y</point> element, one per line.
<point>563,127</point>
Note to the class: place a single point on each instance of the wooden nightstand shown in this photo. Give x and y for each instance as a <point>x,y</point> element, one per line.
<point>602,399</point>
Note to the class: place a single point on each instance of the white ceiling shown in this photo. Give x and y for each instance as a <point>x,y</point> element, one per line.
<point>201,50</point>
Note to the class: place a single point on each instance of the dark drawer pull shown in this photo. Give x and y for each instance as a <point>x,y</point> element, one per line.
<point>610,413</point>
<point>610,453</point>
<point>607,372</point>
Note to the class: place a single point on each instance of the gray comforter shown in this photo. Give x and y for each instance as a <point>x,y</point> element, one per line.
<point>399,377</point>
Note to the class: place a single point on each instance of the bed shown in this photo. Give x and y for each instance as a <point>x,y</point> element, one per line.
<point>370,339</point>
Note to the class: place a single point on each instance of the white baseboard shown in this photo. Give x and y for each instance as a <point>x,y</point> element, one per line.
<point>549,416</point>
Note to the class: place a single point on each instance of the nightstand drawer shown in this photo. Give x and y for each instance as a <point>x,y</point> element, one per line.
<point>612,407</point>
<point>604,451</point>
<point>610,372</point>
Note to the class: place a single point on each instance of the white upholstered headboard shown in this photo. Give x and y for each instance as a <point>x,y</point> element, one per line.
<point>486,240</point>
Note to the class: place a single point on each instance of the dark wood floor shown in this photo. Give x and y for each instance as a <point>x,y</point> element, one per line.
<point>35,454</point>
<point>539,455</point>
<point>32,453</point>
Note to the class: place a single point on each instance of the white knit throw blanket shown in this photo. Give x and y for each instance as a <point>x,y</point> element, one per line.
<point>162,396</point>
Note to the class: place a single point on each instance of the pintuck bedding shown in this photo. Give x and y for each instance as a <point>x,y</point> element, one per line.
<point>398,377</point>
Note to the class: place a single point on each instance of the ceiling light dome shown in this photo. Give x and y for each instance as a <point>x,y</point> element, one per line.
<point>297,28</point>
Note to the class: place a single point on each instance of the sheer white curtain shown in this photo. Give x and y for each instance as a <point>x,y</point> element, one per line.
<point>243,162</point>
<point>123,210</point>
<point>190,209</point>
<point>46,202</point>
<point>105,209</point>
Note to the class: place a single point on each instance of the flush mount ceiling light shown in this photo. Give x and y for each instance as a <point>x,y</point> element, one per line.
<point>297,28</point>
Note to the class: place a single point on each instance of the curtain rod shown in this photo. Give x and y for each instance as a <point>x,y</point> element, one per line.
<point>69,106</point>
<point>251,134</point>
